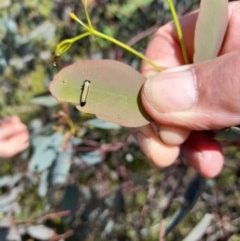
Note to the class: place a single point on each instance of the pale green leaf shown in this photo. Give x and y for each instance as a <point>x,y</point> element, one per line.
<point>46,100</point>
<point>113,93</point>
<point>40,232</point>
<point>190,197</point>
<point>105,125</point>
<point>200,229</point>
<point>210,29</point>
<point>62,166</point>
<point>91,158</point>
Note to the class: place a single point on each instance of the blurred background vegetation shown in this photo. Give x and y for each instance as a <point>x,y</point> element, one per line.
<point>83,179</point>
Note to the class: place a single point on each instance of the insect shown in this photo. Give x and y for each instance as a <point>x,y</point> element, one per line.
<point>84,92</point>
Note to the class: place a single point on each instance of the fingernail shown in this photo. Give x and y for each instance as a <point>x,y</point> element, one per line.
<point>171,91</point>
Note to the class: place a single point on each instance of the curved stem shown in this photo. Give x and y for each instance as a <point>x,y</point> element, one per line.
<point>66,44</point>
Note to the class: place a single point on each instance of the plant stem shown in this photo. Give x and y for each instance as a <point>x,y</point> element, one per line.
<point>74,17</point>
<point>91,31</point>
<point>179,31</point>
<point>126,47</point>
<point>87,15</point>
<point>66,44</point>
<point>81,36</point>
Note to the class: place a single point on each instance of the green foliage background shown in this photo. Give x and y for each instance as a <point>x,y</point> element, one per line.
<point>111,189</point>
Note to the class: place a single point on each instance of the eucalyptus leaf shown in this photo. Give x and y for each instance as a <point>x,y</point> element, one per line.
<point>46,149</point>
<point>43,155</point>
<point>229,134</point>
<point>210,29</point>
<point>40,232</point>
<point>62,165</point>
<point>7,200</point>
<point>43,183</point>
<point>105,125</point>
<point>92,158</point>
<point>10,181</point>
<point>201,228</point>
<point>70,200</point>
<point>193,191</point>
<point>111,91</point>
<point>47,100</point>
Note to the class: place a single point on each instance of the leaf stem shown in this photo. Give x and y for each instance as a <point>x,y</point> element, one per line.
<point>126,47</point>
<point>74,17</point>
<point>179,31</point>
<point>87,15</point>
<point>66,44</point>
<point>81,36</point>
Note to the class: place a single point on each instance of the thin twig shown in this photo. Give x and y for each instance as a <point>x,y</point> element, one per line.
<point>42,218</point>
<point>161,230</point>
<point>142,35</point>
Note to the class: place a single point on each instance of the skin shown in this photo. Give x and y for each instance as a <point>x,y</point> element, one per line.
<point>14,136</point>
<point>205,97</point>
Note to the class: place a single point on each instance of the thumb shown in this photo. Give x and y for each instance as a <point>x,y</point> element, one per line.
<point>197,97</point>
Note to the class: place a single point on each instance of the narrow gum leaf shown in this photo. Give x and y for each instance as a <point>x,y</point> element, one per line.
<point>113,92</point>
<point>210,29</point>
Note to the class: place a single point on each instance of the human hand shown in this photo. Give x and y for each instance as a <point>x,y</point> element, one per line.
<point>13,136</point>
<point>186,101</point>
